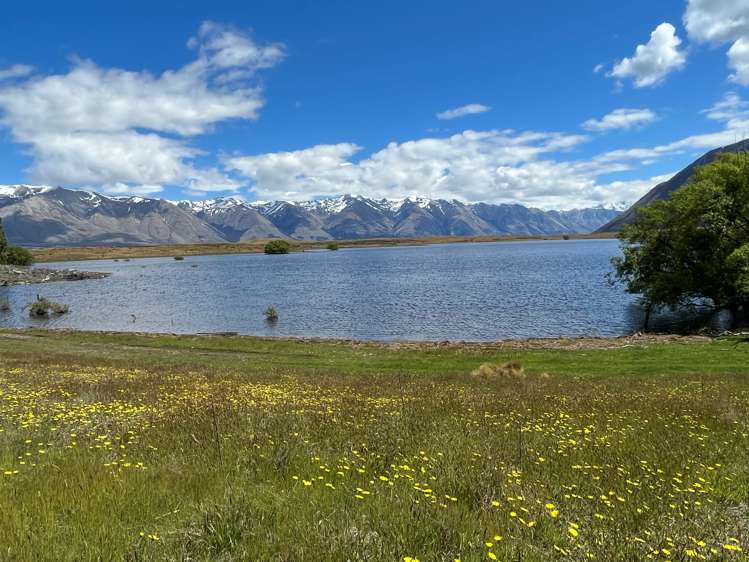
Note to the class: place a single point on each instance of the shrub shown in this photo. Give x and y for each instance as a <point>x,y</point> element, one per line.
<point>271,314</point>
<point>43,307</point>
<point>15,255</point>
<point>491,370</point>
<point>565,237</point>
<point>332,246</point>
<point>179,258</point>
<point>4,305</point>
<point>277,247</point>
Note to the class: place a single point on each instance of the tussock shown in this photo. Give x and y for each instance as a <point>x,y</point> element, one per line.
<point>492,371</point>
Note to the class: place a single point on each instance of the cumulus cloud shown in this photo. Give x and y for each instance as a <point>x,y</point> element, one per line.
<point>493,166</point>
<point>653,61</point>
<point>95,125</point>
<point>621,119</point>
<point>15,71</point>
<point>319,170</point>
<point>721,22</point>
<point>499,166</point>
<point>470,109</point>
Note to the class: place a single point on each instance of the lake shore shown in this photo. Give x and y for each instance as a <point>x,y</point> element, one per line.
<point>22,275</point>
<point>85,253</point>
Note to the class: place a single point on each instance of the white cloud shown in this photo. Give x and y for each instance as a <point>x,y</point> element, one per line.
<point>492,166</point>
<point>738,59</point>
<point>15,71</point>
<point>301,174</point>
<point>730,108</point>
<point>96,125</point>
<point>498,166</point>
<point>126,189</point>
<point>732,111</point>
<point>470,109</point>
<point>719,22</point>
<point>654,61</point>
<point>621,119</point>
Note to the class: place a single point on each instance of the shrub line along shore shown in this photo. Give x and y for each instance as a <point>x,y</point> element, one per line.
<point>84,253</point>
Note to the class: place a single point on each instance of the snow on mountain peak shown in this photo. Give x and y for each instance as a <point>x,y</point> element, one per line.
<point>23,190</point>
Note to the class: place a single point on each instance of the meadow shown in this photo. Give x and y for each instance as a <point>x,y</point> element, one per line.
<point>146,447</point>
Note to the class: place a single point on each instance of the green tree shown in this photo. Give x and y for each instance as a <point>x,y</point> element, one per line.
<point>277,247</point>
<point>13,255</point>
<point>694,245</point>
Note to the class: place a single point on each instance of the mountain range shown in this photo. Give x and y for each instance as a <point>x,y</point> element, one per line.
<point>49,216</point>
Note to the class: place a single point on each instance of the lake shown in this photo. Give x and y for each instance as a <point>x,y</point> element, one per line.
<point>473,292</point>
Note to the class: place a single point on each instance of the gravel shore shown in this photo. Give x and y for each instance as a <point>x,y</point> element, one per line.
<point>18,275</point>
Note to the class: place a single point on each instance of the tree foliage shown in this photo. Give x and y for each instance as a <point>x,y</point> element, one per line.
<point>694,246</point>
<point>277,247</point>
<point>12,255</point>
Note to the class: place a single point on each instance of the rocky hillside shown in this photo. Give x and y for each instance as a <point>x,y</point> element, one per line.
<point>44,216</point>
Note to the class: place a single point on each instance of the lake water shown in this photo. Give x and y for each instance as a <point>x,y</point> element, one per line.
<point>475,292</point>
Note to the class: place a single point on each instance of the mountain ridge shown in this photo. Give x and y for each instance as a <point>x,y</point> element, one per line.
<point>49,216</point>
<point>664,189</point>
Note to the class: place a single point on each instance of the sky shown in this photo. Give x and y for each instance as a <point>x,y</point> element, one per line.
<point>548,104</point>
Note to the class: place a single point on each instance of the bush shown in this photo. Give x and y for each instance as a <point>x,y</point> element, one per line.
<point>4,305</point>
<point>565,237</point>
<point>271,314</point>
<point>15,255</point>
<point>43,307</point>
<point>332,246</point>
<point>179,258</point>
<point>277,247</point>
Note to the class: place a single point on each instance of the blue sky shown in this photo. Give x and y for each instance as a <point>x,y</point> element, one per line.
<point>297,100</point>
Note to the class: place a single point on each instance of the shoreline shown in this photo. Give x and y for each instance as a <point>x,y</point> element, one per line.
<point>90,253</point>
<point>553,343</point>
<point>11,275</point>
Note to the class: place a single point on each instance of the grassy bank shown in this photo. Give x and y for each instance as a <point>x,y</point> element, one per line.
<point>122,446</point>
<point>256,246</point>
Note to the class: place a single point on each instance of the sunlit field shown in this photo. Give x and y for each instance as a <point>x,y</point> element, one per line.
<point>145,448</point>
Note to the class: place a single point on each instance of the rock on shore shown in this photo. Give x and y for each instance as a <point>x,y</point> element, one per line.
<point>18,275</point>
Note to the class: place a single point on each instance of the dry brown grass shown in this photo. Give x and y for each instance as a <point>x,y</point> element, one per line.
<point>257,246</point>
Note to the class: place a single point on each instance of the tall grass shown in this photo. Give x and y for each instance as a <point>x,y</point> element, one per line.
<point>201,463</point>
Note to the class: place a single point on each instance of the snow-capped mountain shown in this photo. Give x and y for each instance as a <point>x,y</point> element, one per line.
<point>37,215</point>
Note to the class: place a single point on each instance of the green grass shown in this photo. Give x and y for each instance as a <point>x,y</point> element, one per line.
<point>136,447</point>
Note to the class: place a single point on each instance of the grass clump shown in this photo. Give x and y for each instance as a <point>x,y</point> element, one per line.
<point>332,246</point>
<point>44,307</point>
<point>271,314</point>
<point>493,371</point>
<point>179,258</point>
<point>277,247</point>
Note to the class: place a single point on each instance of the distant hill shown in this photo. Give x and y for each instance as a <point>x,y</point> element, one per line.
<point>665,189</point>
<point>46,216</point>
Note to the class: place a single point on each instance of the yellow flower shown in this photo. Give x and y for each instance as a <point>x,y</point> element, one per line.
<point>491,555</point>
